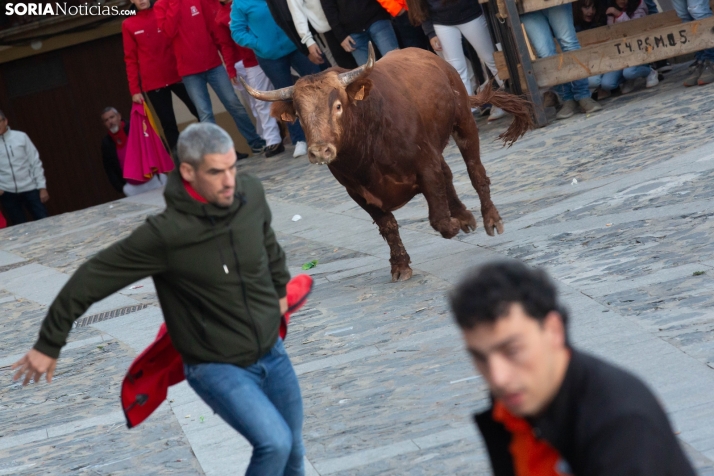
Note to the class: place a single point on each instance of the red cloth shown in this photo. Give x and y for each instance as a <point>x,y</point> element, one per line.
<point>119,137</point>
<point>159,366</point>
<point>3,222</point>
<point>148,54</point>
<point>231,51</point>
<point>191,191</point>
<point>190,25</point>
<point>145,153</point>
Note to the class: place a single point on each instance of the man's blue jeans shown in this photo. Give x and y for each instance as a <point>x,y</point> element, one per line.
<point>14,204</point>
<point>613,79</point>
<point>278,71</point>
<point>263,403</point>
<point>690,10</point>
<point>197,87</point>
<point>381,33</point>
<point>557,22</point>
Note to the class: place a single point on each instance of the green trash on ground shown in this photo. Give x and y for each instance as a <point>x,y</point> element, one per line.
<point>309,265</point>
<point>698,273</point>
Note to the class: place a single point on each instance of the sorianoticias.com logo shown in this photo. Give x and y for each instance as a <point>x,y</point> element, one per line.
<point>64,8</point>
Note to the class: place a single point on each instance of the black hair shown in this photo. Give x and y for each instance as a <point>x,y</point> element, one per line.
<point>488,292</point>
<point>629,8</point>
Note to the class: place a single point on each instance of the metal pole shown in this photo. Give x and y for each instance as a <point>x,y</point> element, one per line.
<point>514,23</point>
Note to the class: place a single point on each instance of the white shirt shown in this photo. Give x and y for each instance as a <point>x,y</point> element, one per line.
<point>303,11</point>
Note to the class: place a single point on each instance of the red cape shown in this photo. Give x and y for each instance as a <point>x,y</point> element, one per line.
<point>159,366</point>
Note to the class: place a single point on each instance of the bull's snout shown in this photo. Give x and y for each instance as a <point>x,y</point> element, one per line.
<point>321,153</point>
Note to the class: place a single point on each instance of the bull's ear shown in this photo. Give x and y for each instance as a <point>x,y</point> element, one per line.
<point>359,90</point>
<point>283,111</point>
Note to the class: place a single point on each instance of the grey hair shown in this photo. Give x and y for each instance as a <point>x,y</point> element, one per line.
<point>109,109</point>
<point>201,139</point>
<point>2,115</point>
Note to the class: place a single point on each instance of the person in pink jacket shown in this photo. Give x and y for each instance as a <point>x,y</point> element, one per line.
<point>621,11</point>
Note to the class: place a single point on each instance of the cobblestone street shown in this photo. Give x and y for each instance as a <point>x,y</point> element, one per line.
<point>617,206</point>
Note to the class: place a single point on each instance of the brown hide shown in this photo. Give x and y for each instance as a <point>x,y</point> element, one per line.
<point>383,137</point>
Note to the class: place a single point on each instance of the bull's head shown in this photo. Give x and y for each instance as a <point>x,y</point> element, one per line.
<point>322,103</point>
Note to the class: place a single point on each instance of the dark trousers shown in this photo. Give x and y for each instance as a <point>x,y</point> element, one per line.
<point>278,72</point>
<point>14,206</point>
<point>342,58</point>
<point>163,105</point>
<point>409,36</point>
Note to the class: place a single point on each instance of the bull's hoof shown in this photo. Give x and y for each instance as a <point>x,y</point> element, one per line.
<point>401,274</point>
<point>467,222</point>
<point>450,229</point>
<point>497,226</point>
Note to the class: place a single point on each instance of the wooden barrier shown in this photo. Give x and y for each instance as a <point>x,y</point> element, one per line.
<point>641,48</point>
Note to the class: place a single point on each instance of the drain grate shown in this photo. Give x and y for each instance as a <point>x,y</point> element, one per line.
<point>103,316</point>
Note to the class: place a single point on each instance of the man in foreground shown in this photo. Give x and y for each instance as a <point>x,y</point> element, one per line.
<point>556,411</point>
<point>220,276</point>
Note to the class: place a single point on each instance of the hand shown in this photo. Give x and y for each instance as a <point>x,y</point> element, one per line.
<point>315,55</point>
<point>1,192</point>
<point>435,43</point>
<point>34,364</point>
<point>283,305</point>
<point>348,44</point>
<point>235,81</point>
<point>137,98</point>
<point>612,11</point>
<point>44,196</point>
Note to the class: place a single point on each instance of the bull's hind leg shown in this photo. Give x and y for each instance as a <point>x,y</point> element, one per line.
<point>466,137</point>
<point>433,185</point>
<point>389,229</point>
<point>456,207</point>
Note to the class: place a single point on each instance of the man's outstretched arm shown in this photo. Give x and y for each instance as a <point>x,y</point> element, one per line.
<point>139,255</point>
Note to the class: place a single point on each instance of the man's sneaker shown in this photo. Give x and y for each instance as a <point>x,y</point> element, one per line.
<point>300,149</point>
<point>601,94</point>
<point>707,75</point>
<point>274,149</point>
<point>496,114</point>
<point>589,105</point>
<point>550,99</point>
<point>485,109</point>
<point>568,110</point>
<point>258,147</point>
<point>695,70</point>
<point>628,86</point>
<point>241,156</point>
<point>652,79</point>
<point>663,66</point>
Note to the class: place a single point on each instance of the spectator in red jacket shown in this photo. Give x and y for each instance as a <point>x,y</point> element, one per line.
<point>190,25</point>
<point>242,61</point>
<point>151,68</point>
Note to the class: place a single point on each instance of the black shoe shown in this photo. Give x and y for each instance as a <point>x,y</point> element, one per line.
<point>241,156</point>
<point>257,149</point>
<point>663,66</point>
<point>274,149</point>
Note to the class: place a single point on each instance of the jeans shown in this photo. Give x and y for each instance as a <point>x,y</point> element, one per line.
<point>613,79</point>
<point>689,10</point>
<point>408,35</point>
<point>13,204</point>
<point>197,87</point>
<point>541,27</point>
<point>278,71</point>
<point>651,7</point>
<point>163,105</point>
<point>263,403</point>
<point>594,82</point>
<point>381,34</point>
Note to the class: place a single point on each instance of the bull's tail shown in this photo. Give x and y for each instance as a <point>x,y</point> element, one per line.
<point>520,108</point>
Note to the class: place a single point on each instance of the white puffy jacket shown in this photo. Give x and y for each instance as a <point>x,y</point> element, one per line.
<point>20,166</point>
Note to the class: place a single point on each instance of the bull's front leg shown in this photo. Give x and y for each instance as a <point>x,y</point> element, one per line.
<point>433,185</point>
<point>389,229</point>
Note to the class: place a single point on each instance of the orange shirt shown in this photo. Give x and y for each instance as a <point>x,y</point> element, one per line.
<point>393,6</point>
<point>531,456</point>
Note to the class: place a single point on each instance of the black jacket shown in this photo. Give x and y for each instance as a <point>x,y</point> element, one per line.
<point>352,16</point>
<point>281,14</point>
<point>110,159</point>
<point>603,422</point>
<point>450,13</point>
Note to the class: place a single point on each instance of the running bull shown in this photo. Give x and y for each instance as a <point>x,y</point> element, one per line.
<point>382,128</point>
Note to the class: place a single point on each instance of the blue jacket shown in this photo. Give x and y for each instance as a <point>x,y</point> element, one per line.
<point>252,26</point>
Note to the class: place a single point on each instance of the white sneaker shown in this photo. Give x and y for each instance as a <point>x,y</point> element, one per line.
<point>652,79</point>
<point>496,114</point>
<point>300,149</point>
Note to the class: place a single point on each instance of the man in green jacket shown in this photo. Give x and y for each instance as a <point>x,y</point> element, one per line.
<point>220,276</point>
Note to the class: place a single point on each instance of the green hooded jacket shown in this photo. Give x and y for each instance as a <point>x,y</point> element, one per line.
<point>218,272</point>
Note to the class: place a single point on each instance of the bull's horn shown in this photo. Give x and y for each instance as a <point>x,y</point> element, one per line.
<point>351,76</point>
<point>284,94</point>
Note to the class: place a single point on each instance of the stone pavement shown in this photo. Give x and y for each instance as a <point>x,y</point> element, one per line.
<point>386,384</point>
